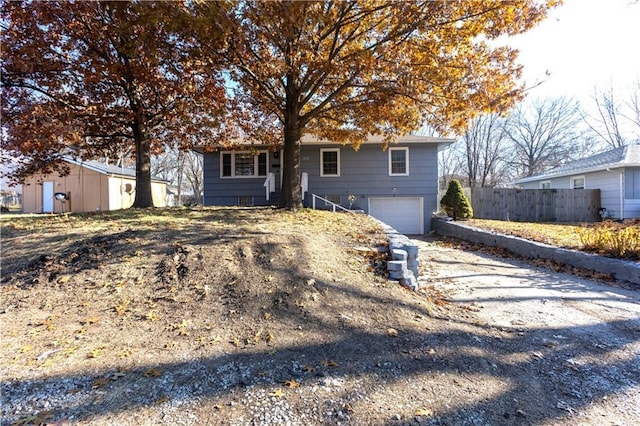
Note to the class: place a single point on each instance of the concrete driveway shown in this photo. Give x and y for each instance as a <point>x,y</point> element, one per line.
<point>577,341</point>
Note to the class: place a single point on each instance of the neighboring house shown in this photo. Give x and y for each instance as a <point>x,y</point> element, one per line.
<point>10,195</point>
<point>90,186</point>
<point>615,173</point>
<point>398,186</point>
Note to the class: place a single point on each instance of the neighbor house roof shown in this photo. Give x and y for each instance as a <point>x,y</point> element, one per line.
<point>626,156</point>
<point>107,169</point>
<point>312,140</point>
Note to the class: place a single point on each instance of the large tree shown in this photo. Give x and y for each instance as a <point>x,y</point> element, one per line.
<point>615,121</point>
<point>95,79</point>
<point>485,143</point>
<point>607,124</point>
<point>545,133</point>
<point>344,70</point>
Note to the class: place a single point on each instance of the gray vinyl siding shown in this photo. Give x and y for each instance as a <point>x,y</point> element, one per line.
<point>226,192</point>
<point>365,173</point>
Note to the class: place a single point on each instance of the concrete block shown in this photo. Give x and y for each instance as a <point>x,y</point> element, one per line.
<point>412,252</point>
<point>396,265</point>
<point>398,275</point>
<point>410,282</point>
<point>398,254</point>
<point>414,266</point>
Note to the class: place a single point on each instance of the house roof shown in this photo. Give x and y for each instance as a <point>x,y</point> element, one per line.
<point>312,140</point>
<point>107,169</point>
<point>626,156</point>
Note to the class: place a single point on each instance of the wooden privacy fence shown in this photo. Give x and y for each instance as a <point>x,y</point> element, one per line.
<point>536,205</point>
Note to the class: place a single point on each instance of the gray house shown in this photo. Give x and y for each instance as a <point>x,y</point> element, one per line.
<point>398,186</point>
<point>615,173</point>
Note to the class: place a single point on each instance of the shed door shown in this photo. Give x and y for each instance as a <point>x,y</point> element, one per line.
<point>47,197</point>
<point>405,214</point>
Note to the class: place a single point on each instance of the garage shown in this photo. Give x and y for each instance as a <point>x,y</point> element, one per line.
<point>405,214</point>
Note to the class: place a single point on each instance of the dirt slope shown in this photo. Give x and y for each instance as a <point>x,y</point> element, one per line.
<point>252,316</point>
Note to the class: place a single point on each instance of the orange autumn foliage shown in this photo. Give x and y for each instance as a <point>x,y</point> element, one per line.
<point>342,71</point>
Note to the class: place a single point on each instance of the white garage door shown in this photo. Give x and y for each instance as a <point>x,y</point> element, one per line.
<point>405,214</point>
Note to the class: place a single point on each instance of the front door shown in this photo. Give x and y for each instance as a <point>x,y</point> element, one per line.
<point>47,197</point>
<point>276,168</point>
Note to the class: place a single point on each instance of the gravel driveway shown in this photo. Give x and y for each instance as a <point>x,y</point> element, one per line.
<point>562,343</point>
<point>490,341</point>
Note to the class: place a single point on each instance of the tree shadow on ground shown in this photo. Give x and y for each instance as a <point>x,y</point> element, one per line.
<point>531,376</point>
<point>466,372</point>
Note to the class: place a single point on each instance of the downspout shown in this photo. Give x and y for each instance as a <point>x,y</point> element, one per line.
<point>621,190</point>
<point>121,180</point>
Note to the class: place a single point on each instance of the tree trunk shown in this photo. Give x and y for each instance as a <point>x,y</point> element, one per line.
<point>291,197</point>
<point>180,171</point>
<point>143,197</point>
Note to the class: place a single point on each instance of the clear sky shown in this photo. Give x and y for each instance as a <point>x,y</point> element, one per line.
<point>583,43</point>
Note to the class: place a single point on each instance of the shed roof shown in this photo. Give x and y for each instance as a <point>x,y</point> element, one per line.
<point>625,156</point>
<point>107,169</point>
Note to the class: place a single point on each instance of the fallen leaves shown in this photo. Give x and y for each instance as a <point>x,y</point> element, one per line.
<point>291,383</point>
<point>99,383</point>
<point>424,412</point>
<point>43,418</point>
<point>121,308</point>
<point>152,372</point>
<point>278,393</point>
<point>329,363</point>
<point>90,320</point>
<point>48,323</point>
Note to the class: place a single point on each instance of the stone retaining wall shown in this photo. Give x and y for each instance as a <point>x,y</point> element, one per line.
<point>404,262</point>
<point>619,269</point>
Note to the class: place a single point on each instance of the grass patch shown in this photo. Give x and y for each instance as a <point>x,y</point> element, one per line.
<point>614,239</point>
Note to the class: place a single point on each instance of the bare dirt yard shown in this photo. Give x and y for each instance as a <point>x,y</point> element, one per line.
<point>259,316</point>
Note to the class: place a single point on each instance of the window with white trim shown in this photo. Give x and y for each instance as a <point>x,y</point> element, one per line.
<point>632,183</point>
<point>330,162</point>
<point>243,164</point>
<point>546,184</point>
<point>399,161</point>
<point>577,182</point>
<point>335,199</point>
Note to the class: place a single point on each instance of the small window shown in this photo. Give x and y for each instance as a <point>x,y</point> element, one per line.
<point>226,164</point>
<point>398,161</point>
<point>335,199</point>
<point>632,183</point>
<point>330,162</point>
<point>577,182</point>
<point>245,200</point>
<point>262,164</point>
<point>243,164</point>
<point>545,185</point>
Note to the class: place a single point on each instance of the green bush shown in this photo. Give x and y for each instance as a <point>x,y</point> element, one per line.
<point>455,203</point>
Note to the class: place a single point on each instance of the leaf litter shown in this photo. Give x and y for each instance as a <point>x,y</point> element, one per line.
<point>229,316</point>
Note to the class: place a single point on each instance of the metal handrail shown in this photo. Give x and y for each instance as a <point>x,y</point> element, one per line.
<point>269,184</point>
<point>334,205</point>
